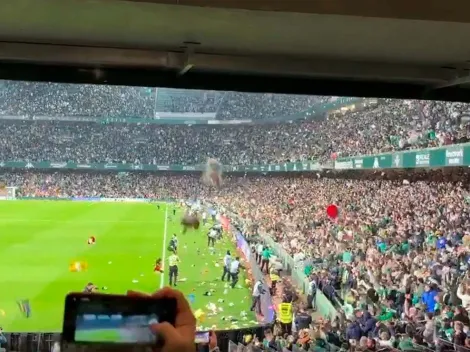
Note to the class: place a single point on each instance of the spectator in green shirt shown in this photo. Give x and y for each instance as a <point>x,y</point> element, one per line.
<point>265,255</point>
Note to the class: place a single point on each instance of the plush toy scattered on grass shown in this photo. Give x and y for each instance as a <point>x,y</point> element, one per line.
<point>78,266</point>
<point>200,315</point>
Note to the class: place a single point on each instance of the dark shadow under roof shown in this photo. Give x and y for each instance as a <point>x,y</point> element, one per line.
<point>418,48</point>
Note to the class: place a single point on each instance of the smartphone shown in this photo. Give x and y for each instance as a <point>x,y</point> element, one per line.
<point>202,337</point>
<point>114,319</point>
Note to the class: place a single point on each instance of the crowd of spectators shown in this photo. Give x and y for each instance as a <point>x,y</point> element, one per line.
<point>395,125</point>
<point>53,99</point>
<point>37,140</point>
<point>241,106</point>
<point>395,260</point>
<point>181,100</point>
<point>387,125</point>
<point>19,98</point>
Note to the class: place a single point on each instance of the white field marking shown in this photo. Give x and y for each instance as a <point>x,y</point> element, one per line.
<point>165,227</point>
<point>7,220</point>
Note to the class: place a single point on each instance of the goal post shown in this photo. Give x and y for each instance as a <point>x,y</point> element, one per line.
<point>11,193</point>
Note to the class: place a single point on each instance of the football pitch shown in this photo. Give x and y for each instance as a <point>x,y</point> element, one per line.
<point>40,239</point>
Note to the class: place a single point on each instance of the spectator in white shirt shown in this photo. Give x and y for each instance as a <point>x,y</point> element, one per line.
<point>234,270</point>
<point>211,236</point>
<point>259,251</point>
<point>258,290</point>
<point>227,264</point>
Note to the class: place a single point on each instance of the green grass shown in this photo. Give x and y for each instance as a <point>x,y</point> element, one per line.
<point>41,238</point>
<point>98,335</point>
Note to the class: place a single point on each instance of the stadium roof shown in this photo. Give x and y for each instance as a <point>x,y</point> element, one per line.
<point>398,48</point>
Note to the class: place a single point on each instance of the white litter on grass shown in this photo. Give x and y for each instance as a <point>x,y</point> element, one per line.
<point>207,264</point>
<point>110,262</point>
<point>231,304</point>
<point>141,275</point>
<point>140,257</point>
<point>217,265</point>
<point>135,281</point>
<point>183,279</point>
<point>225,291</point>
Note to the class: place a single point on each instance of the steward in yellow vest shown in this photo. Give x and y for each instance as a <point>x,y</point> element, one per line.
<point>285,317</point>
<point>273,275</point>
<point>285,313</point>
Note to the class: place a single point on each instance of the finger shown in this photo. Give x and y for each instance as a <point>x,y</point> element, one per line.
<point>133,293</point>
<point>182,303</point>
<point>165,330</point>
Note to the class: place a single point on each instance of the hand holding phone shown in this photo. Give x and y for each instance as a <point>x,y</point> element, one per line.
<point>92,318</point>
<point>169,318</point>
<point>180,337</point>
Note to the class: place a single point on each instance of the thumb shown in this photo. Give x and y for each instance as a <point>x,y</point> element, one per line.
<point>165,330</point>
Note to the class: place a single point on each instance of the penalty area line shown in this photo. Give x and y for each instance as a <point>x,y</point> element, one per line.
<point>165,228</point>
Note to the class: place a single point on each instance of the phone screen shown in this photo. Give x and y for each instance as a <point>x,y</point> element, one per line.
<point>202,337</point>
<point>119,320</point>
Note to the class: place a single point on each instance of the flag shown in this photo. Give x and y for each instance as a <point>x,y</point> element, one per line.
<point>25,307</point>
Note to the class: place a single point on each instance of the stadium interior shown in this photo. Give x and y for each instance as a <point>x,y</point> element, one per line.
<point>308,162</point>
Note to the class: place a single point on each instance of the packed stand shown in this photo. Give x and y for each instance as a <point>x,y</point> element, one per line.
<point>395,260</point>
<point>182,100</point>
<point>394,125</point>
<point>111,185</point>
<point>60,141</point>
<point>242,106</point>
<point>30,99</point>
<point>389,125</point>
<point>38,140</point>
<point>61,100</point>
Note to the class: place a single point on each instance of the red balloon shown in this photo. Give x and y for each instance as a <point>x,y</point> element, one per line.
<point>332,211</point>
